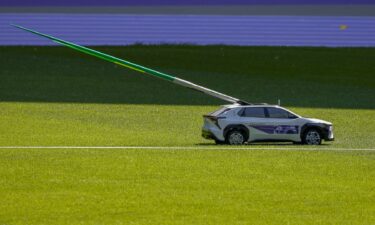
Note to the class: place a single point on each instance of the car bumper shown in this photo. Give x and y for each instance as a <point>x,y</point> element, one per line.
<point>208,135</point>
<point>329,139</point>
<point>328,134</point>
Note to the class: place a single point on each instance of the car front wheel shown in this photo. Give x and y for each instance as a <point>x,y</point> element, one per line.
<point>235,137</point>
<point>312,137</point>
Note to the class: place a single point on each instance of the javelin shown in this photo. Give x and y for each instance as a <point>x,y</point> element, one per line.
<point>138,68</point>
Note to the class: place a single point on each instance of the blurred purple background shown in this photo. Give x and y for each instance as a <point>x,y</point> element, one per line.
<point>119,29</point>
<point>175,2</point>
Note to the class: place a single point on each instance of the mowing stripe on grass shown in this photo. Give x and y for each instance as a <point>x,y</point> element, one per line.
<point>191,148</point>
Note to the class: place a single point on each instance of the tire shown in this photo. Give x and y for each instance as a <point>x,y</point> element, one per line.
<point>312,137</point>
<point>235,137</point>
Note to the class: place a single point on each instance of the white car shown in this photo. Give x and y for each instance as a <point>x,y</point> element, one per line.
<point>238,124</point>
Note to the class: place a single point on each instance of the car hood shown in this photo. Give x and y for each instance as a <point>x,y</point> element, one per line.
<point>313,120</point>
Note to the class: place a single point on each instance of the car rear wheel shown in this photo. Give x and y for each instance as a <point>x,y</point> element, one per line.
<point>235,137</point>
<point>312,137</point>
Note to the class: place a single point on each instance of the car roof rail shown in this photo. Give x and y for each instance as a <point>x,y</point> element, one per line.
<point>260,104</point>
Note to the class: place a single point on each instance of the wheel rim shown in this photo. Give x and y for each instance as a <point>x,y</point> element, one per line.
<point>313,138</point>
<point>236,138</point>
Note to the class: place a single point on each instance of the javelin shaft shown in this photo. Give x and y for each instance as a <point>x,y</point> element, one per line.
<point>137,67</point>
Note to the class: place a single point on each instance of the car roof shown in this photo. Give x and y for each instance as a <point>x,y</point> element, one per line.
<point>248,106</point>
<point>237,106</point>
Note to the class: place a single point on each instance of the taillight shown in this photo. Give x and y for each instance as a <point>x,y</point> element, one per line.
<point>214,119</point>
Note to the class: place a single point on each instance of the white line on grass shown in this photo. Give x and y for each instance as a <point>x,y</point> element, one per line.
<point>286,148</point>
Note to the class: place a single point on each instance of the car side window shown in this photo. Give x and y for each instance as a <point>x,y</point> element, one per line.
<point>279,113</point>
<point>257,112</point>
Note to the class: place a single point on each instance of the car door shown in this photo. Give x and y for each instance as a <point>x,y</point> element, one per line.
<point>254,118</point>
<point>281,124</point>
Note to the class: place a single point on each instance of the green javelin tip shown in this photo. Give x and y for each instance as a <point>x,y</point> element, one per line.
<point>101,55</point>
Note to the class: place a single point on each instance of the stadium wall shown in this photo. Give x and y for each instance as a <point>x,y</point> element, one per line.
<point>325,23</point>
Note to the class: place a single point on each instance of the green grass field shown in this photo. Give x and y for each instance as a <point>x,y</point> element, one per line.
<point>52,96</point>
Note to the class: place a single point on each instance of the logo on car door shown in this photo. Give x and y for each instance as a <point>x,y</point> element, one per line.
<point>282,129</point>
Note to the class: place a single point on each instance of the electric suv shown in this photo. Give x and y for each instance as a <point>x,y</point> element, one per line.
<point>239,124</point>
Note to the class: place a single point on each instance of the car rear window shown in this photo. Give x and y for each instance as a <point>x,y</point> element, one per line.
<point>219,111</point>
